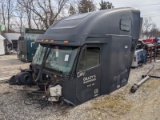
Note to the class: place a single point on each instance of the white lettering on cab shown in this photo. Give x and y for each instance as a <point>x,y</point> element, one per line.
<point>89,79</point>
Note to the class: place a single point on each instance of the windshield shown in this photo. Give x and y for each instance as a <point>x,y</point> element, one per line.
<point>59,58</point>
<point>38,57</point>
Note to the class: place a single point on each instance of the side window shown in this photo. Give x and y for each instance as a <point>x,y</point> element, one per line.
<point>90,58</point>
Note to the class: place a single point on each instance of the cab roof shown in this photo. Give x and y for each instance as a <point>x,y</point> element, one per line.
<point>75,29</point>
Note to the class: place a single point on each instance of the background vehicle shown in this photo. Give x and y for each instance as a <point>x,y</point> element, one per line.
<point>26,44</point>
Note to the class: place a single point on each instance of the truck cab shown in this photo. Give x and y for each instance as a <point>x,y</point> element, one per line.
<point>87,55</point>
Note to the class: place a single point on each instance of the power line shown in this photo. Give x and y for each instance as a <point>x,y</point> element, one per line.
<point>151,15</point>
<point>148,5</point>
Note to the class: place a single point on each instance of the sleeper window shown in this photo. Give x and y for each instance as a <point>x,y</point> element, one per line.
<point>90,58</point>
<point>126,24</point>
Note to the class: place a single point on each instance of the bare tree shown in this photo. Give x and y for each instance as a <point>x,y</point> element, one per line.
<point>7,9</point>
<point>46,11</point>
<point>20,14</point>
<point>72,10</point>
<point>150,29</point>
<point>147,24</point>
<point>154,32</point>
<point>25,5</point>
<point>38,23</point>
<point>3,12</point>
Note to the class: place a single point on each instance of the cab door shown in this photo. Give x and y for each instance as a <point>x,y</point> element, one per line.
<point>88,73</point>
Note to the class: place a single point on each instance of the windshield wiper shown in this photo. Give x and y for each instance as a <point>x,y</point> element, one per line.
<point>43,64</point>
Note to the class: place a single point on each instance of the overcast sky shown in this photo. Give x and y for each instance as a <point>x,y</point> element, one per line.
<point>147,7</point>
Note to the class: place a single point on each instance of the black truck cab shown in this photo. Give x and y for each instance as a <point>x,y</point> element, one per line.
<point>86,55</point>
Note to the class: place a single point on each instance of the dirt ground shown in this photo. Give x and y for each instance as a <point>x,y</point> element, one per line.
<point>119,105</point>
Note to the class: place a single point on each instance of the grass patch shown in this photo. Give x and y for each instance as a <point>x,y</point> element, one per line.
<point>114,105</point>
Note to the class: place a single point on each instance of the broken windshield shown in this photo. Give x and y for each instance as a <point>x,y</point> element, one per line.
<point>38,57</point>
<point>59,58</point>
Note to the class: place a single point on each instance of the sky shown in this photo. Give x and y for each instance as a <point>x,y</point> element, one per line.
<point>148,8</point>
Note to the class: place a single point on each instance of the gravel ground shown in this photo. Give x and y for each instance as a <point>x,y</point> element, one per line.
<point>119,105</point>
<point>10,65</point>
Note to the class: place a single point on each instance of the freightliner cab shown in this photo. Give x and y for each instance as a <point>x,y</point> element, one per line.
<point>85,56</point>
